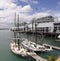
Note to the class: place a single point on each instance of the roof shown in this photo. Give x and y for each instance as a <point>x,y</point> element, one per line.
<point>45,19</point>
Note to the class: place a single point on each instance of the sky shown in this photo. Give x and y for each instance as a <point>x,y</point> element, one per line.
<point>27,9</point>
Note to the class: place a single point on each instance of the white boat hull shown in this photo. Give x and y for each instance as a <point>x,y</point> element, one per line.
<point>14,49</point>
<point>35,47</point>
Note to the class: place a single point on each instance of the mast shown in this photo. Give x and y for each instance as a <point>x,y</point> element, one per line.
<point>24,27</point>
<point>18,23</point>
<point>18,32</point>
<point>35,32</point>
<point>32,24</point>
<point>15,20</point>
<point>18,42</point>
<point>15,26</point>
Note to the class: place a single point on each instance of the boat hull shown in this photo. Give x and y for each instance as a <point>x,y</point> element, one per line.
<point>14,49</point>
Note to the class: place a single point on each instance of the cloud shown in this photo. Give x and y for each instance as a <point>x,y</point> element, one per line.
<point>41,14</point>
<point>30,1</point>
<point>18,9</point>
<point>35,2</point>
<point>57,15</point>
<point>9,9</point>
<point>6,0</point>
<point>29,18</point>
<point>24,1</point>
<point>58,3</point>
<point>6,4</point>
<point>26,8</point>
<point>24,13</point>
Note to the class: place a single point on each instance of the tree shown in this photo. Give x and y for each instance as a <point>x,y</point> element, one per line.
<point>51,58</point>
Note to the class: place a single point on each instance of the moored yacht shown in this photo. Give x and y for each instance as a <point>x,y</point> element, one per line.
<point>35,47</point>
<point>15,49</point>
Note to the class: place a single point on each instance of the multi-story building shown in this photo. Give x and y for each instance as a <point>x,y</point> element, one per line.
<point>45,25</point>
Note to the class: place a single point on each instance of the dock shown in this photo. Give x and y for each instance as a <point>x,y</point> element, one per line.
<point>54,47</point>
<point>35,56</point>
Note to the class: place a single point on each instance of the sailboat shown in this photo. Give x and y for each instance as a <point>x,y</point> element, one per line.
<point>15,46</point>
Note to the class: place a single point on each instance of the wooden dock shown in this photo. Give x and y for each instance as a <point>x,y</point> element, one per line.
<point>35,56</point>
<point>54,47</point>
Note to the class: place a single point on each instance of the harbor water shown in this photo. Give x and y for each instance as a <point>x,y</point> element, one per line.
<point>7,55</point>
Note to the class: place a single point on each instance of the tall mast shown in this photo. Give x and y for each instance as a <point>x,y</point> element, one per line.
<point>15,20</point>
<point>18,22</point>
<point>18,32</point>
<point>32,24</point>
<point>35,32</point>
<point>15,26</point>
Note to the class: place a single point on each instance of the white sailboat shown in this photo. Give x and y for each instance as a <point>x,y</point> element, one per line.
<point>35,47</point>
<point>14,48</point>
<point>15,45</point>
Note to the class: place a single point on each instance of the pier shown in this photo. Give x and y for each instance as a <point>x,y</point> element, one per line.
<point>35,56</point>
<point>54,47</point>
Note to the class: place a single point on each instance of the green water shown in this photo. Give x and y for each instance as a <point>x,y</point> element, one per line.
<point>7,55</point>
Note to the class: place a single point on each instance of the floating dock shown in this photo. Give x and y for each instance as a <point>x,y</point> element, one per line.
<point>35,56</point>
<point>54,47</point>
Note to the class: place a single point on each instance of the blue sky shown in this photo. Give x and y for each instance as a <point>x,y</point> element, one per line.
<point>41,5</point>
<point>28,9</point>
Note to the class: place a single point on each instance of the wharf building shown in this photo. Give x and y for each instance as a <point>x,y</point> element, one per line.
<point>45,25</point>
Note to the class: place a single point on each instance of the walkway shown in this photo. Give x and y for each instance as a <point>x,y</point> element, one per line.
<point>35,56</point>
